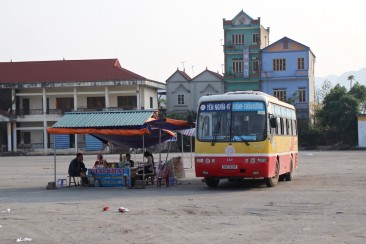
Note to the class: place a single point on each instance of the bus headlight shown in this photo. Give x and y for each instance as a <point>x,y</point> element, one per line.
<point>199,160</point>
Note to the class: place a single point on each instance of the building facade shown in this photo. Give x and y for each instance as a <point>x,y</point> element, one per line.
<point>37,94</point>
<point>287,73</point>
<point>361,126</point>
<point>244,37</point>
<point>183,92</point>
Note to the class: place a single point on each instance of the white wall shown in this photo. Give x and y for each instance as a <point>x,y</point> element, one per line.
<point>362,131</point>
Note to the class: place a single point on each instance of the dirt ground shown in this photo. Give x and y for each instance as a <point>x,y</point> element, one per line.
<point>325,203</point>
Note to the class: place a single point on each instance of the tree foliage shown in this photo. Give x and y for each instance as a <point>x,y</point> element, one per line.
<point>339,112</point>
<point>358,91</point>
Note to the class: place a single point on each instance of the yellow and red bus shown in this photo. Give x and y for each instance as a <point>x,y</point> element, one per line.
<point>245,134</point>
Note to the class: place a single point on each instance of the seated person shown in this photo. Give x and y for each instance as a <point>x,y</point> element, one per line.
<point>129,160</point>
<point>148,164</point>
<point>77,169</point>
<point>100,163</point>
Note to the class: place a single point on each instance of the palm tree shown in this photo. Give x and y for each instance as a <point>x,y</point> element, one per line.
<point>351,78</point>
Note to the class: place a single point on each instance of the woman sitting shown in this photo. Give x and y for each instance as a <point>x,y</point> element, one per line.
<point>100,163</point>
<point>148,164</point>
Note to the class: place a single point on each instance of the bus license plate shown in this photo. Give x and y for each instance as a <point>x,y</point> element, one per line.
<point>229,166</point>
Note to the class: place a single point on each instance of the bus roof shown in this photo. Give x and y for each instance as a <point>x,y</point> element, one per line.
<point>244,95</point>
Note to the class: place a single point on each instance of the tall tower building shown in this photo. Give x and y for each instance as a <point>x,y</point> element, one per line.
<point>244,37</point>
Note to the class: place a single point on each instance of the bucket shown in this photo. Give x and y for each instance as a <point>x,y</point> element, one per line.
<point>171,181</point>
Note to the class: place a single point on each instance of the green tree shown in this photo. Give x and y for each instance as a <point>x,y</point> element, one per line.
<point>358,91</point>
<point>339,113</point>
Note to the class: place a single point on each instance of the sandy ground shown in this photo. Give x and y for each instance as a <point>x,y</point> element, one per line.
<point>324,204</point>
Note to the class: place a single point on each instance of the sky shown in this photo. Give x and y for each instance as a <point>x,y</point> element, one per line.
<point>155,37</point>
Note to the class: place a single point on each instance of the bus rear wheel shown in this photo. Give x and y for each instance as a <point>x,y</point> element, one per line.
<point>212,182</point>
<point>290,175</point>
<point>272,181</point>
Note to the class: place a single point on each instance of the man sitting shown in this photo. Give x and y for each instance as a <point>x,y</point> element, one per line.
<point>77,169</point>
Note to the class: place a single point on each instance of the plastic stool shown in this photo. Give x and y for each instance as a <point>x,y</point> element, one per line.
<point>158,182</point>
<point>61,182</point>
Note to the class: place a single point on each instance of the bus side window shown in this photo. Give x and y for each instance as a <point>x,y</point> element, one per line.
<point>288,127</point>
<point>295,128</point>
<point>281,127</point>
<point>290,124</point>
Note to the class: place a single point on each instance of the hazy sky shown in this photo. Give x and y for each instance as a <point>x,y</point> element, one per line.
<point>155,37</point>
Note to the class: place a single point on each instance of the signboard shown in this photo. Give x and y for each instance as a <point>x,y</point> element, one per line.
<point>215,106</point>
<point>248,106</point>
<point>234,106</point>
<point>246,62</point>
<point>111,176</point>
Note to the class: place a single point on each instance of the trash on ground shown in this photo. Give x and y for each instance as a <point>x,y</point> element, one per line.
<point>106,208</point>
<point>1,226</point>
<point>6,211</point>
<point>122,210</point>
<point>20,239</point>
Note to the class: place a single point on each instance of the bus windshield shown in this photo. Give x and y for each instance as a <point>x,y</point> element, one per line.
<point>231,121</point>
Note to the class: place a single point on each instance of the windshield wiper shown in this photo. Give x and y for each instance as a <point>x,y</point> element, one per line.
<point>214,138</point>
<point>243,140</point>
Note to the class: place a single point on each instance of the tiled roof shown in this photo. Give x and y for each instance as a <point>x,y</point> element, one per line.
<point>211,72</point>
<point>65,71</point>
<point>182,73</point>
<point>104,119</point>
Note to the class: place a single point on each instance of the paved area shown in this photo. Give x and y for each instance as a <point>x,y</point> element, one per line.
<point>324,204</point>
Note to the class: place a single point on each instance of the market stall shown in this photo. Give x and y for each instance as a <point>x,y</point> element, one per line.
<point>137,129</point>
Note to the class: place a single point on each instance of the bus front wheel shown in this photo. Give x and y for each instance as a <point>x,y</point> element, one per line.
<point>272,181</point>
<point>212,182</point>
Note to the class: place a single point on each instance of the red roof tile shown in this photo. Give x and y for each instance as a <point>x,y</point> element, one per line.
<point>65,71</point>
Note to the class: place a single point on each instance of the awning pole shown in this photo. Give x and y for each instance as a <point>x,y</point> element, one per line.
<point>143,158</point>
<point>54,156</point>
<point>160,146</point>
<point>190,138</point>
<point>181,135</point>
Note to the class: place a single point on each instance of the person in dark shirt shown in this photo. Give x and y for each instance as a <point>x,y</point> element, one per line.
<point>77,169</point>
<point>129,160</point>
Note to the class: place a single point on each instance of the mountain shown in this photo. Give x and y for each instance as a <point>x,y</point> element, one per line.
<point>359,75</point>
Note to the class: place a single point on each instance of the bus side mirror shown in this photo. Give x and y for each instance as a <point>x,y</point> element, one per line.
<point>273,122</point>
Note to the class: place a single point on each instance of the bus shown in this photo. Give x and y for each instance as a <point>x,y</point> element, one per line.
<point>245,134</point>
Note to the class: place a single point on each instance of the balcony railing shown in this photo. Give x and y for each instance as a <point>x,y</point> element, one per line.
<point>23,112</point>
<point>274,74</point>
<point>239,48</point>
<point>240,76</point>
<point>301,72</point>
<point>106,109</point>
